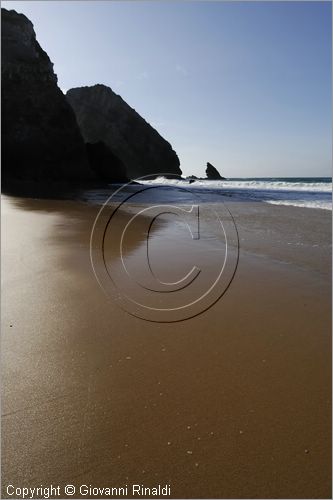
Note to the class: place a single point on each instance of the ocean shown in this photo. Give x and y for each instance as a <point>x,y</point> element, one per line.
<point>308,192</point>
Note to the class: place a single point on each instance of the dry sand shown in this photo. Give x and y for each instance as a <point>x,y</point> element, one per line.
<point>234,403</point>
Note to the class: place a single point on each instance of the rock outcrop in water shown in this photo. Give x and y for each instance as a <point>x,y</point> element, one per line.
<point>40,136</point>
<point>212,173</point>
<point>104,116</point>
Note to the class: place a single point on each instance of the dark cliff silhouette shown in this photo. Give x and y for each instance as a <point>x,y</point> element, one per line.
<point>104,116</point>
<point>40,136</point>
<point>105,163</point>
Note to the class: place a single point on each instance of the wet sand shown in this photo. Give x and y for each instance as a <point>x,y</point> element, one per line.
<point>234,403</point>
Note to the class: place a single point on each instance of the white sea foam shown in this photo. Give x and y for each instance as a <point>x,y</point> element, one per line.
<point>262,185</point>
<point>301,192</point>
<point>280,185</point>
<point>324,205</point>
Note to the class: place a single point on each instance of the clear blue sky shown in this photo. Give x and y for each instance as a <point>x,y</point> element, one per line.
<point>244,85</point>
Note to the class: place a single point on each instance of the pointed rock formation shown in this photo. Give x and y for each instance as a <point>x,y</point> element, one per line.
<point>212,173</point>
<point>104,116</point>
<point>40,136</point>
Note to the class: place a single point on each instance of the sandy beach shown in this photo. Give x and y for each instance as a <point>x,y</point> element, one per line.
<point>234,403</point>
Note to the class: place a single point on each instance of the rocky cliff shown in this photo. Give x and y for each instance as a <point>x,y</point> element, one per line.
<point>104,116</point>
<point>40,136</point>
<point>105,164</point>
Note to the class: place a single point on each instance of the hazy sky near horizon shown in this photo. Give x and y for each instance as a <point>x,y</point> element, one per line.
<point>243,85</point>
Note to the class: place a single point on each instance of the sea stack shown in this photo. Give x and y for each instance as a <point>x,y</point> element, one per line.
<point>104,116</point>
<point>40,136</point>
<point>212,173</point>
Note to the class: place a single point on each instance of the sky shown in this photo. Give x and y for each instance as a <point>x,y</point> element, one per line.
<point>243,85</point>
